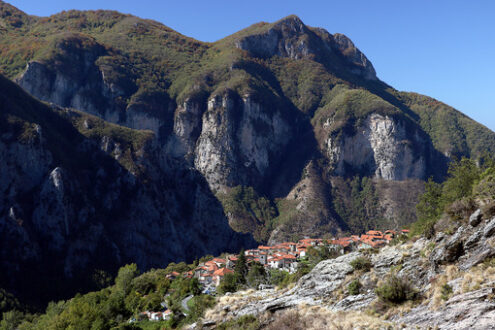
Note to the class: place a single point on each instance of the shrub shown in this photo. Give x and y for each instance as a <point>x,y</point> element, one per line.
<point>354,287</point>
<point>489,262</point>
<point>229,283</point>
<point>256,275</point>
<point>11,319</point>
<point>125,276</point>
<point>291,319</point>
<point>430,230</point>
<point>198,305</point>
<point>277,276</point>
<point>361,263</point>
<point>446,291</point>
<point>395,290</point>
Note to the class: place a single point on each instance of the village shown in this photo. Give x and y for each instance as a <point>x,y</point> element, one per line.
<point>284,256</point>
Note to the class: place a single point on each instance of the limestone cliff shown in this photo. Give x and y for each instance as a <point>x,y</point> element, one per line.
<point>81,76</point>
<point>380,148</point>
<point>239,141</point>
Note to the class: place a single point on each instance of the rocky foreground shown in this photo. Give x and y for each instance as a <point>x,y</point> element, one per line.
<point>453,277</point>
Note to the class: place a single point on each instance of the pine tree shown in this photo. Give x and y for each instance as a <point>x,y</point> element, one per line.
<point>241,267</point>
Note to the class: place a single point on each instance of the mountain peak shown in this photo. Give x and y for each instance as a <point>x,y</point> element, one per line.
<point>291,20</point>
<point>355,56</point>
<point>290,37</point>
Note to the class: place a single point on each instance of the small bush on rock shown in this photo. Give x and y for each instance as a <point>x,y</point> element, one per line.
<point>430,230</point>
<point>395,290</point>
<point>361,263</point>
<point>354,287</point>
<point>446,291</point>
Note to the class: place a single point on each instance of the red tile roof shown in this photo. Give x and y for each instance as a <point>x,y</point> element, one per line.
<point>223,271</point>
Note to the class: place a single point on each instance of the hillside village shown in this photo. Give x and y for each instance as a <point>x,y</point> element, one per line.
<point>284,256</point>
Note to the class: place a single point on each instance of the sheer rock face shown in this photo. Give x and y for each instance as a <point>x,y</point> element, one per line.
<point>381,147</point>
<point>362,66</point>
<point>187,128</point>
<point>238,141</point>
<point>67,217</point>
<point>78,79</point>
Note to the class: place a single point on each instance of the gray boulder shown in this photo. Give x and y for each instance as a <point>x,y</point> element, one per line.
<point>489,228</point>
<point>475,218</point>
<point>451,250</point>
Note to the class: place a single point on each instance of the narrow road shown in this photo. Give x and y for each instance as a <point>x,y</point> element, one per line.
<point>184,302</point>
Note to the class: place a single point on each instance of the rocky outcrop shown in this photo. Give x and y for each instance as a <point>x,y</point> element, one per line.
<point>361,65</point>
<point>475,218</point>
<point>471,310</point>
<point>380,147</point>
<point>311,210</point>
<point>287,38</point>
<point>290,38</point>
<point>238,141</point>
<point>80,77</point>
<point>450,250</point>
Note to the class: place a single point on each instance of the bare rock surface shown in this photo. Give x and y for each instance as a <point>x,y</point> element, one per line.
<point>475,218</point>
<point>472,310</point>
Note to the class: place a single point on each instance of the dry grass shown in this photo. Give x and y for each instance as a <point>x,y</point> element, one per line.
<point>398,309</point>
<point>474,279</point>
<point>435,294</point>
<point>477,277</point>
<point>317,317</point>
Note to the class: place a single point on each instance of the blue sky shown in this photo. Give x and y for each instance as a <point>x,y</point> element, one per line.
<point>444,49</point>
